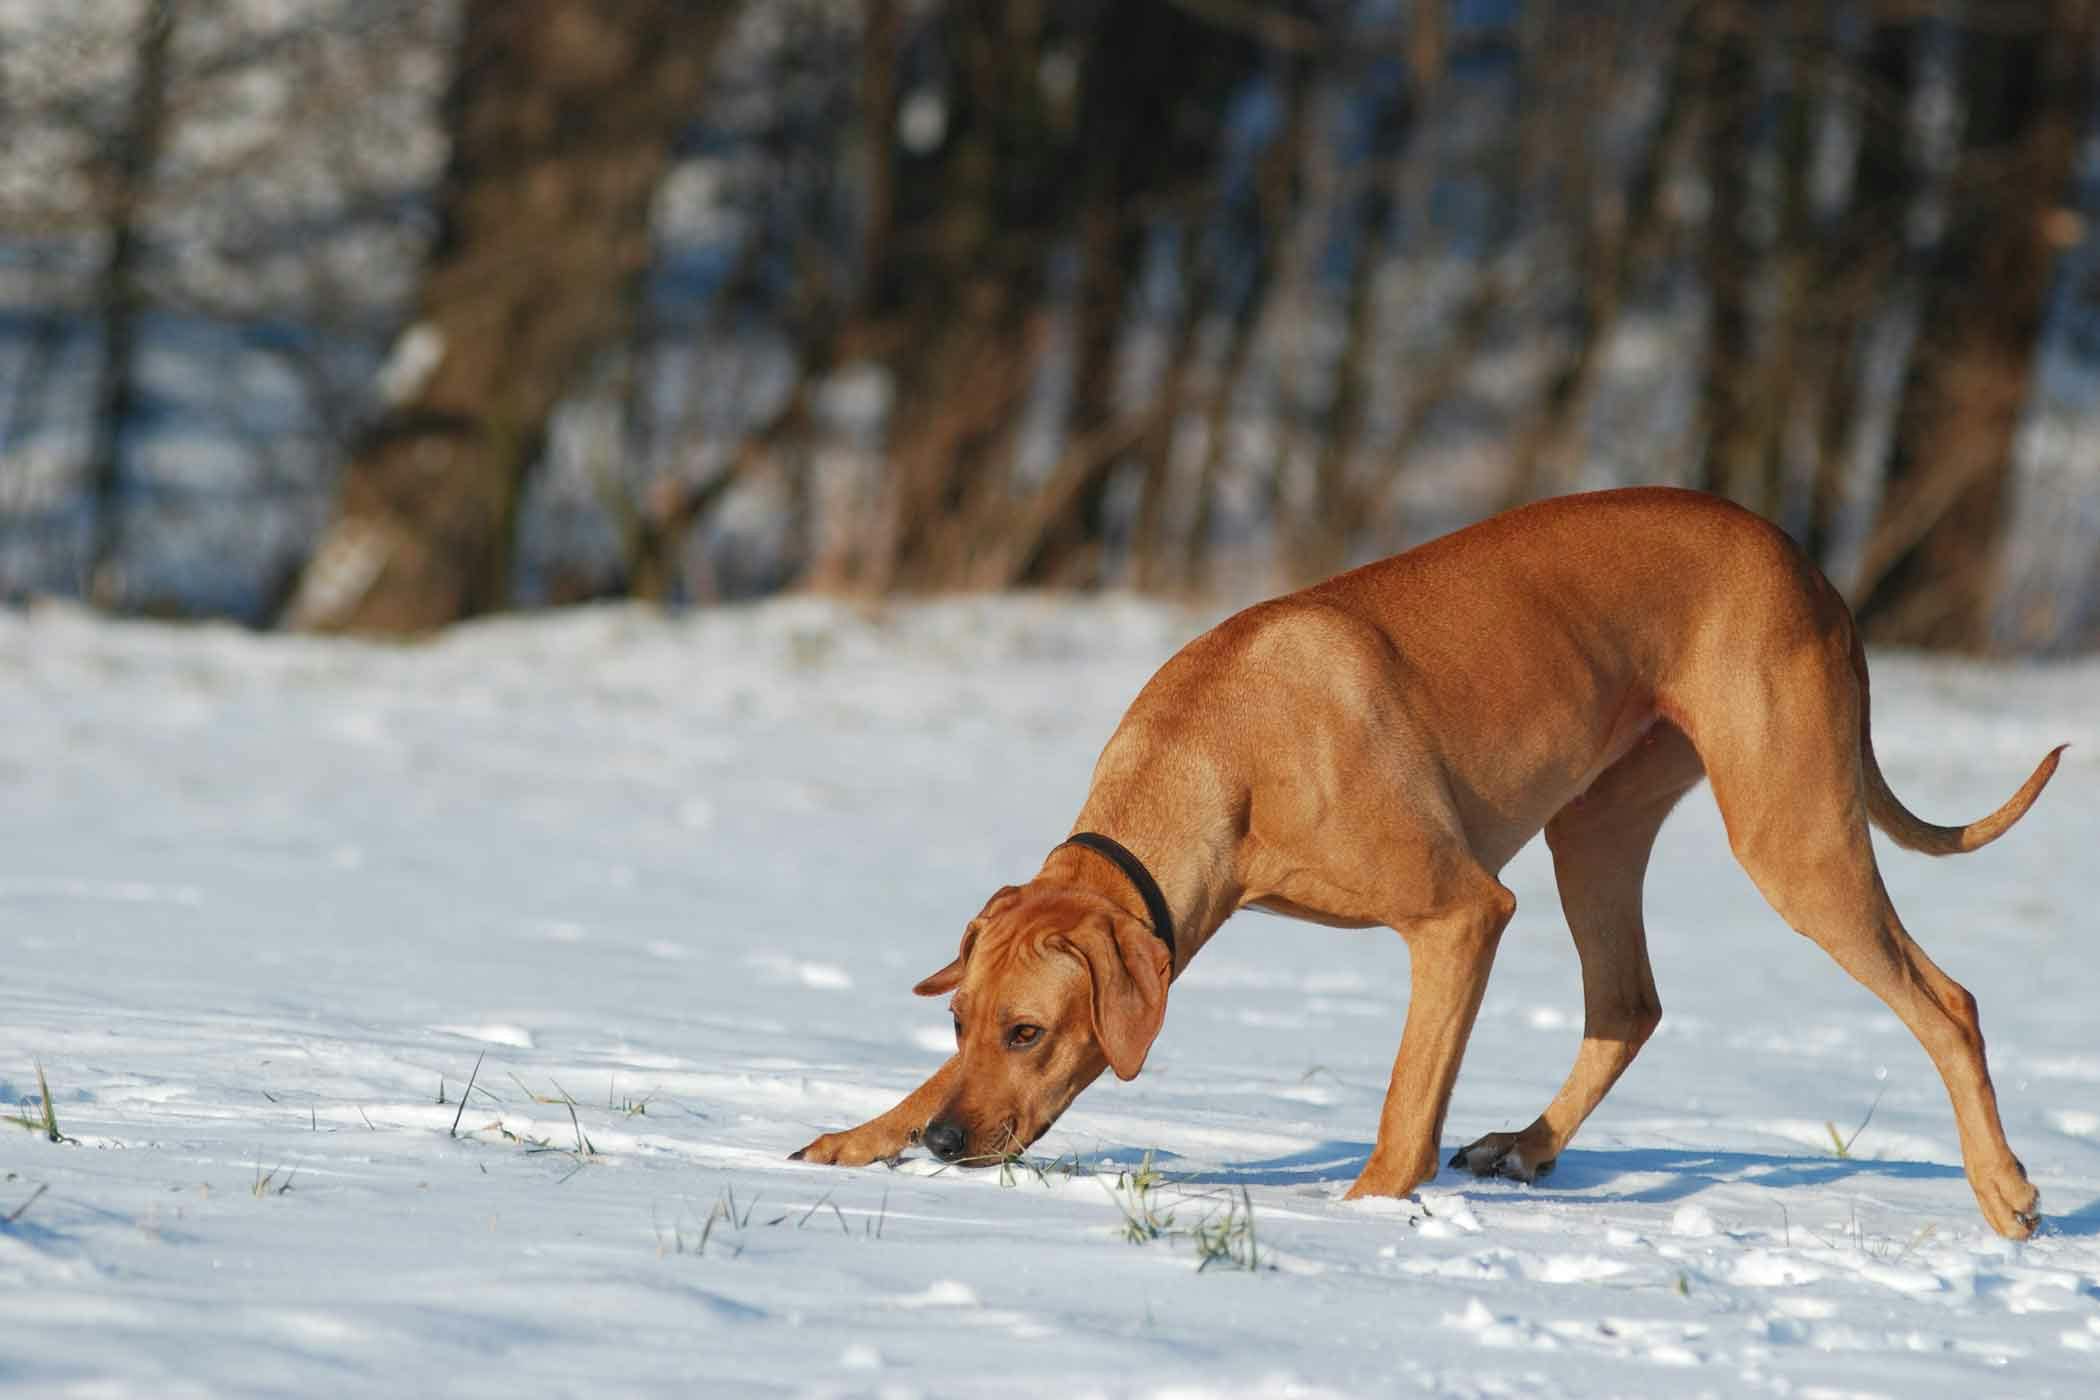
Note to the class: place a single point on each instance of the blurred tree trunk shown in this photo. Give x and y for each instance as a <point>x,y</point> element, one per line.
<point>1155,448</point>
<point>1727,408</point>
<point>120,302</point>
<point>1262,221</point>
<point>1929,574</point>
<point>1149,141</point>
<point>561,117</point>
<point>1854,266</point>
<point>1617,236</point>
<point>1051,133</point>
<point>1116,174</point>
<point>955,306</point>
<point>835,321</point>
<point>1323,540</point>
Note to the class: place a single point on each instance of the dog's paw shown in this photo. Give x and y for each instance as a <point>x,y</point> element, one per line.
<point>1502,1155</point>
<point>852,1148</point>
<point>2010,1202</point>
<point>1394,1173</point>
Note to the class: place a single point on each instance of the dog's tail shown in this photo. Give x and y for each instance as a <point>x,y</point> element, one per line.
<point>1913,832</point>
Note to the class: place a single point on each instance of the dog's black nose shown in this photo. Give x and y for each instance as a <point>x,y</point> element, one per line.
<point>944,1139</point>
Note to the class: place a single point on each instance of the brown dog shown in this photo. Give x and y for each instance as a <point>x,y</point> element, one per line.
<point>1372,750</point>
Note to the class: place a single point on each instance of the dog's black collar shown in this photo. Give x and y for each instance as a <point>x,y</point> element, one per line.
<point>1134,870</point>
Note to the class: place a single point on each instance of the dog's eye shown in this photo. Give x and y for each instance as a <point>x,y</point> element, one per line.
<point>1023,1036</point>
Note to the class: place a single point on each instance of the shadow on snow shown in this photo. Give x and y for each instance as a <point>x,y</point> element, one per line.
<point>1578,1175</point>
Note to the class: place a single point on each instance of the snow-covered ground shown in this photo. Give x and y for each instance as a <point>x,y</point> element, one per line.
<point>265,902</point>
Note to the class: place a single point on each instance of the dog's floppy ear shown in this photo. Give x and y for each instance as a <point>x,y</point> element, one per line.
<point>1130,973</point>
<point>941,983</point>
<point>950,977</point>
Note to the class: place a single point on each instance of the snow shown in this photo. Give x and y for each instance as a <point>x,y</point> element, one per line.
<point>266,903</point>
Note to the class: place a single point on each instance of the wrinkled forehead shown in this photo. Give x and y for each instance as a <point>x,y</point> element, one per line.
<point>1036,912</point>
<point>1018,961</point>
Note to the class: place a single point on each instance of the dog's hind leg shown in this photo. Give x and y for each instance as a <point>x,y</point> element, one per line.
<point>1600,845</point>
<point>1861,930</point>
<point>1786,771</point>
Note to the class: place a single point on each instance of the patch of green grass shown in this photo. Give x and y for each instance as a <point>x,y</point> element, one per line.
<point>269,1183</point>
<point>583,1146</point>
<point>559,1096</point>
<point>1843,1145</point>
<point>1221,1236</point>
<point>726,1220</point>
<point>1227,1238</point>
<point>1058,1165</point>
<point>45,1122</point>
<point>583,1152</point>
<point>1883,1249</point>
<point>465,1094</point>
<point>631,1108</point>
<point>1136,1194</point>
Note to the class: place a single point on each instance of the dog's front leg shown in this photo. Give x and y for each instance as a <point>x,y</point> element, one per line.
<point>887,1136</point>
<point>1449,957</point>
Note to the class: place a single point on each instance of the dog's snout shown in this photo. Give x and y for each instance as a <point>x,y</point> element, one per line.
<point>944,1138</point>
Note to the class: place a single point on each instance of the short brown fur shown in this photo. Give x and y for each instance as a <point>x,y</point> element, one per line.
<point>1374,749</point>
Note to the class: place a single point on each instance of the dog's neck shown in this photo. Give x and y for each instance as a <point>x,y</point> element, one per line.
<point>1192,861</point>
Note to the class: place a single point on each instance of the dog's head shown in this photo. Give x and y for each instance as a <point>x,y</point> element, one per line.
<point>1053,985</point>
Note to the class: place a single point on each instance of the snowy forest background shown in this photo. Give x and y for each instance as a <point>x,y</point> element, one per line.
<point>369,315</point>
